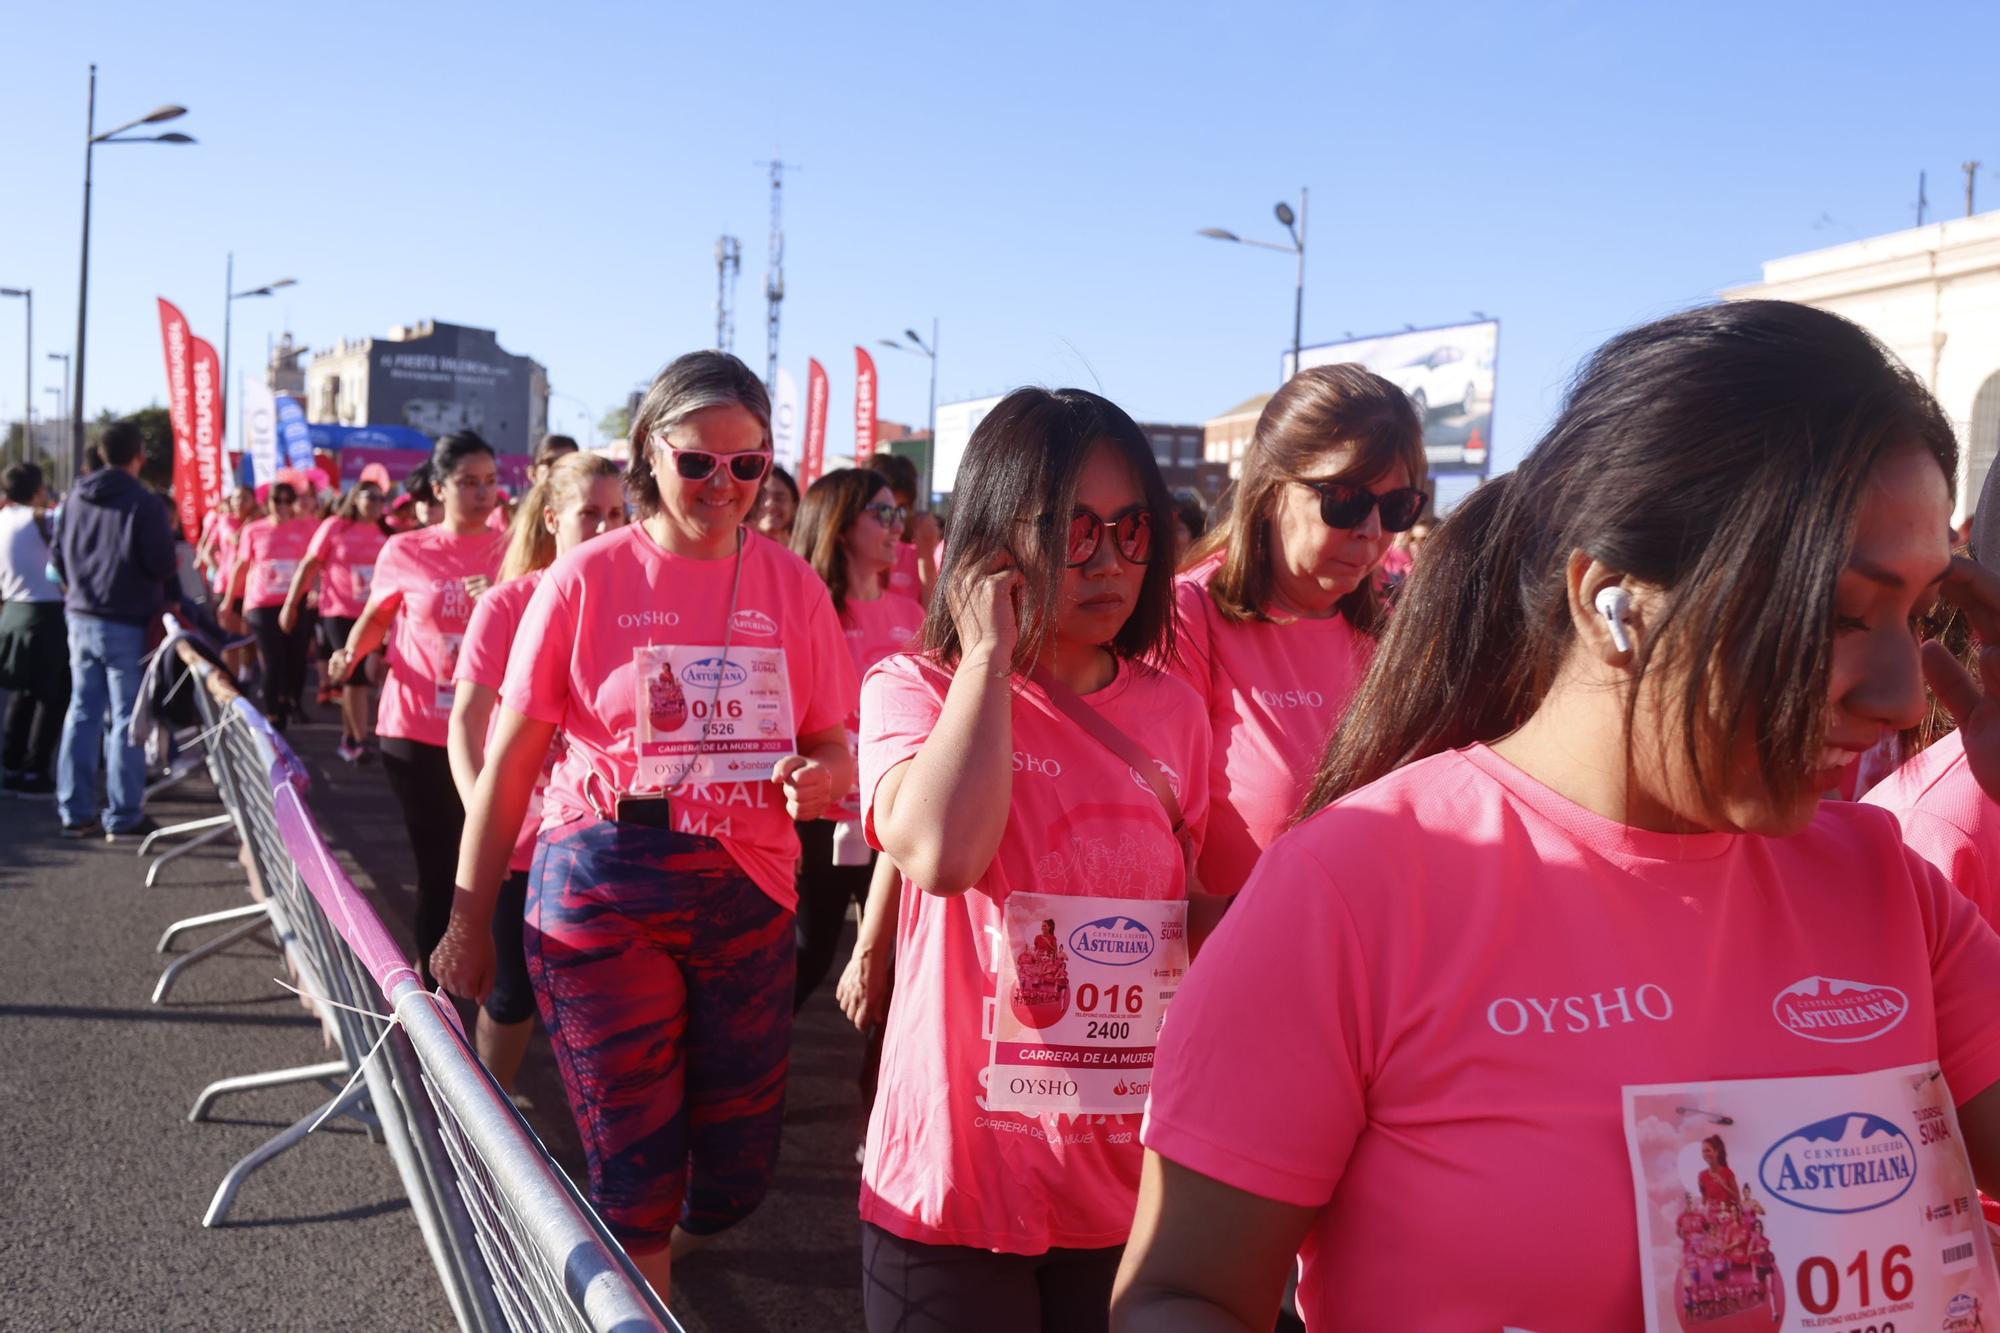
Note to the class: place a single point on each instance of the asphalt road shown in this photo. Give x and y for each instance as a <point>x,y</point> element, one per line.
<point>106,1182</point>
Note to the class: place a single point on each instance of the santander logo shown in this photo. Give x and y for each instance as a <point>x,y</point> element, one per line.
<point>754,622</point>
<point>1829,1009</point>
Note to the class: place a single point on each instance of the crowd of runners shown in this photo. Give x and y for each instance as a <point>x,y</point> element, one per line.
<point>1415,913</point>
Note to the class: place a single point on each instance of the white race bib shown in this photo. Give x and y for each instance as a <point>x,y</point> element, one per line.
<point>363,577</point>
<point>1830,1204</point>
<point>448,646</point>
<point>278,576</point>
<point>704,719</point>
<point>1084,984</point>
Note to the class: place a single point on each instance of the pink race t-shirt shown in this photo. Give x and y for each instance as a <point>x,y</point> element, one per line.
<point>347,549</point>
<point>1948,819</point>
<point>596,612</point>
<point>1274,692</point>
<point>904,580</point>
<point>482,660</point>
<point>1420,1013</point>
<point>428,568</point>
<point>939,1167</point>
<point>889,624</point>
<point>272,550</point>
<point>222,551</point>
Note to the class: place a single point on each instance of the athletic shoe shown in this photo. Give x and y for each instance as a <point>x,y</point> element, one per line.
<point>88,829</point>
<point>28,786</point>
<point>146,826</point>
<point>349,751</point>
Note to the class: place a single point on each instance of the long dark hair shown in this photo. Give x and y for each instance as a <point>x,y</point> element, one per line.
<point>1719,455</point>
<point>826,516</point>
<point>1016,489</point>
<point>1318,411</point>
<point>349,508</point>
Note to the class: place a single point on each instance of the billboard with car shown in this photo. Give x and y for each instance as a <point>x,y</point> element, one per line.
<point>1449,373</point>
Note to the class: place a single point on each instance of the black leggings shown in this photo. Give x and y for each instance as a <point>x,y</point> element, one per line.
<point>825,890</point>
<point>512,999</point>
<point>285,659</point>
<point>910,1287</point>
<point>420,776</point>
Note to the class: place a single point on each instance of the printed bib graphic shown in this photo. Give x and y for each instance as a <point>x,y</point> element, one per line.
<point>1808,1203</point>
<point>1084,984</point>
<point>448,646</point>
<point>707,719</point>
<point>278,576</point>
<point>364,579</point>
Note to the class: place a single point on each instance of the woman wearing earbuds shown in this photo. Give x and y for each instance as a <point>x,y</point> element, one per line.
<point>1568,903</point>
<point>701,684</point>
<point>1278,610</point>
<point>1001,772</point>
<point>578,496</point>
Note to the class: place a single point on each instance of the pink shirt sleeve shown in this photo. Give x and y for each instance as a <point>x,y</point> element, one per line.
<point>482,657</point>
<point>316,548</point>
<point>537,681</point>
<point>899,708</point>
<point>1270,1108</point>
<point>1955,854</point>
<point>1190,661</point>
<point>1965,983</point>
<point>391,568</point>
<point>834,686</point>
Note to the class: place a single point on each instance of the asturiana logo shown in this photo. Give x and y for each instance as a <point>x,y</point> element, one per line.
<point>1962,1315</point>
<point>754,622</point>
<point>1849,1163</point>
<point>1829,1009</point>
<point>1117,940</point>
<point>708,671</point>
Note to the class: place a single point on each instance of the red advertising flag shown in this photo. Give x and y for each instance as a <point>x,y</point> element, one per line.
<point>864,407</point>
<point>815,452</point>
<point>205,372</point>
<point>180,411</point>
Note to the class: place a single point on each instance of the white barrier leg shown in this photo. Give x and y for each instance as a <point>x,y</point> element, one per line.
<point>175,830</point>
<point>201,840</point>
<point>225,1193</point>
<point>216,945</point>
<point>270,1078</point>
<point>209,919</point>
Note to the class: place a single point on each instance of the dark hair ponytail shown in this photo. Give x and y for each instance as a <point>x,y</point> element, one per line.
<point>1718,455</point>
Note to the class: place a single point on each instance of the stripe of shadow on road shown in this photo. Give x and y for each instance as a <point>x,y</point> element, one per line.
<point>90,1014</point>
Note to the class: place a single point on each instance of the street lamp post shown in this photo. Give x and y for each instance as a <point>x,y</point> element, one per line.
<point>231,297</point>
<point>28,376</point>
<point>91,139</point>
<point>1295,225</point>
<point>63,418</point>
<point>590,421</point>
<point>928,350</point>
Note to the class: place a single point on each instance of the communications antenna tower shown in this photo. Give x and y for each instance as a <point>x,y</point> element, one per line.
<point>728,266</point>
<point>774,278</point>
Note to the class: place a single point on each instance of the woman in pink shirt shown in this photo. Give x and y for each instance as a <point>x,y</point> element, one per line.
<point>420,600</point>
<point>1568,904</point>
<point>268,552</point>
<point>1032,776</point>
<point>344,549</point>
<point>577,496</point>
<point>847,530</point>
<point>700,682</point>
<point>917,552</point>
<point>1279,607</point>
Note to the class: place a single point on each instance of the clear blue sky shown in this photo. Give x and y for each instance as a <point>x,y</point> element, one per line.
<point>1032,174</point>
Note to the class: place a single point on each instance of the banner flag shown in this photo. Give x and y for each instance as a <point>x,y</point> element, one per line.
<point>260,424</point>
<point>180,411</point>
<point>815,454</point>
<point>205,372</point>
<point>296,450</point>
<point>864,407</point>
<point>785,422</point>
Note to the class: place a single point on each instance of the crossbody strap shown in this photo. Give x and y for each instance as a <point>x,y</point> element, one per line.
<point>1111,738</point>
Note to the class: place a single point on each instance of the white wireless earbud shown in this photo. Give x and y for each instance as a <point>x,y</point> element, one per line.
<point>1614,603</point>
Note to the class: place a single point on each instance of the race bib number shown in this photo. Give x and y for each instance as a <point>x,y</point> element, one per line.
<point>1844,1203</point>
<point>278,576</point>
<point>1084,984</point>
<point>364,580</point>
<point>448,646</point>
<point>706,719</point>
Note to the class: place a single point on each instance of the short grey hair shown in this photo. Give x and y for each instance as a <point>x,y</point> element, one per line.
<point>689,383</point>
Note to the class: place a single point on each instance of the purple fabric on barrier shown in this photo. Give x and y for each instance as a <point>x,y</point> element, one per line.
<point>343,904</point>
<point>288,768</point>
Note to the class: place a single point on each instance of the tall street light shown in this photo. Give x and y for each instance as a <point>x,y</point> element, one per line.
<point>228,309</point>
<point>1295,225</point>
<point>64,416</point>
<point>92,138</point>
<point>28,365</point>
<point>917,345</point>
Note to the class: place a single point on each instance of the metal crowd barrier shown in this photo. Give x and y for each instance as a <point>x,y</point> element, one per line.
<point>514,1243</point>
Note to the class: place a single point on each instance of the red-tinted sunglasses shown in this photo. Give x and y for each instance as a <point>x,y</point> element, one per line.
<point>1131,533</point>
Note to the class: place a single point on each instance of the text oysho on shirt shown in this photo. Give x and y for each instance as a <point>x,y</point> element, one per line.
<point>941,1165</point>
<point>619,603</point>
<point>1275,692</point>
<point>272,550</point>
<point>347,549</point>
<point>429,570</point>
<point>482,660</point>
<point>1423,1012</point>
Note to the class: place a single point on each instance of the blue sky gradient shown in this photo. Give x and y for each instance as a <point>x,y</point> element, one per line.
<point>1031,174</point>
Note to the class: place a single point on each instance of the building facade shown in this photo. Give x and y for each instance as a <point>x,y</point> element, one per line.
<point>1932,295</point>
<point>437,378</point>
